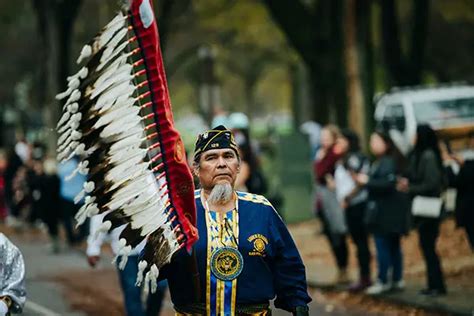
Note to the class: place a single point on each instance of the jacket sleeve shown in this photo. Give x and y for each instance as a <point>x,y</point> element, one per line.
<point>95,240</point>
<point>431,176</point>
<point>288,270</point>
<point>385,180</point>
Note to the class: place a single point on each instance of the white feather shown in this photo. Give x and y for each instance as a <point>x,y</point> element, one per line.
<point>116,113</point>
<point>132,139</point>
<point>138,205</point>
<point>117,171</point>
<point>75,96</point>
<point>64,94</point>
<point>110,29</point>
<point>79,196</point>
<point>131,187</point>
<point>63,119</point>
<point>112,95</point>
<point>112,44</point>
<point>117,51</point>
<point>76,135</point>
<point>149,219</point>
<point>73,107</point>
<point>86,52</point>
<point>123,123</point>
<point>125,155</point>
<point>125,196</point>
<point>92,210</point>
<point>122,101</point>
<point>80,74</point>
<point>146,286</point>
<point>121,75</point>
<point>124,257</point>
<point>83,167</point>
<point>153,279</point>
<point>115,128</point>
<point>105,227</point>
<point>64,137</point>
<point>111,69</point>
<point>141,268</point>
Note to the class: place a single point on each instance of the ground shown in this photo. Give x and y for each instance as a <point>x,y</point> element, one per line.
<point>85,291</point>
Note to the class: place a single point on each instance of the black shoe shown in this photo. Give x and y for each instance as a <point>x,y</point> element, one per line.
<point>432,292</point>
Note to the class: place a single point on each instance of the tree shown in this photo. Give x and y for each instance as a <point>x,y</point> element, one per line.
<point>354,85</point>
<point>55,21</point>
<point>315,31</point>
<point>405,69</point>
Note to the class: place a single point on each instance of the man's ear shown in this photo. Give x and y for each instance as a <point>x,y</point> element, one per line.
<point>196,171</point>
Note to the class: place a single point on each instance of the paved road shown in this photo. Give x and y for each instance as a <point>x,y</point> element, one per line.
<point>46,296</point>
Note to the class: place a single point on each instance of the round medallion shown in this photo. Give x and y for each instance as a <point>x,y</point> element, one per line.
<point>227,263</point>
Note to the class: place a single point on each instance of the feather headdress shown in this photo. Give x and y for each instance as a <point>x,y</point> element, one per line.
<point>117,118</point>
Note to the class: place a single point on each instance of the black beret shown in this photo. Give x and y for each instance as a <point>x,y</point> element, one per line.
<point>217,138</point>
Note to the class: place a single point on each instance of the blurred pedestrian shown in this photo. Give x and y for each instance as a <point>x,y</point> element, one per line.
<point>386,213</point>
<point>251,178</point>
<point>46,199</point>
<point>35,177</point>
<point>12,278</point>
<point>313,131</point>
<point>464,184</point>
<point>327,205</point>
<point>22,148</point>
<point>353,200</point>
<point>127,273</point>
<point>3,203</point>
<point>426,178</point>
<point>13,164</point>
<point>69,189</point>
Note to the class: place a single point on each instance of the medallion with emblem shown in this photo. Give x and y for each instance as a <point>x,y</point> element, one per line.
<point>226,263</point>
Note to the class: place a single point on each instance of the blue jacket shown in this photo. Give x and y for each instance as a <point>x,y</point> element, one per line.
<point>272,265</point>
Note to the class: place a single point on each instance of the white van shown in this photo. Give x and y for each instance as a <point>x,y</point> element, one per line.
<point>449,110</point>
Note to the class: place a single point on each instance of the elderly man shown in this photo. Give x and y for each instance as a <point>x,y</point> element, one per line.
<point>245,255</point>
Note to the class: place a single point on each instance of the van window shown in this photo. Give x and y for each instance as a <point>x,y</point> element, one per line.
<point>394,117</point>
<point>452,111</point>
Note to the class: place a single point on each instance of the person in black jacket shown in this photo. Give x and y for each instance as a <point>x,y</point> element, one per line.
<point>426,179</point>
<point>387,212</point>
<point>353,200</point>
<point>464,184</point>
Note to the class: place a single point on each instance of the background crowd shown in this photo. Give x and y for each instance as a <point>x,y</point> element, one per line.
<point>385,194</point>
<point>359,194</point>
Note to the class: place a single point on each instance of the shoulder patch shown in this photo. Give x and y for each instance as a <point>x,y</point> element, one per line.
<point>255,198</point>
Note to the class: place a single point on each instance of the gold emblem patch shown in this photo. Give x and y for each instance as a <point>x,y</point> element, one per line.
<point>226,263</point>
<point>259,244</point>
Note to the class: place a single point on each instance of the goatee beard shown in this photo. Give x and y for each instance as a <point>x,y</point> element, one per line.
<point>220,194</point>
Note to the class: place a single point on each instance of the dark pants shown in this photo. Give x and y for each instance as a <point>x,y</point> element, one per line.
<point>428,231</point>
<point>50,217</point>
<point>132,293</point>
<point>389,257</point>
<point>360,236</point>
<point>69,211</point>
<point>337,242</point>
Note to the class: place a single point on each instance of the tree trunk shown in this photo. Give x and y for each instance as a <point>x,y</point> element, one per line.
<point>404,70</point>
<point>354,87</point>
<point>319,95</point>
<point>339,83</point>
<point>365,48</point>
<point>55,20</point>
